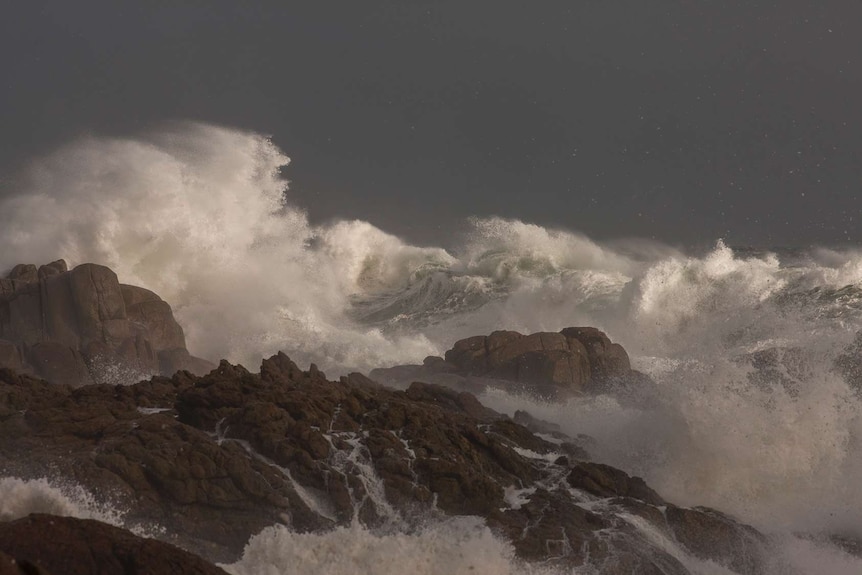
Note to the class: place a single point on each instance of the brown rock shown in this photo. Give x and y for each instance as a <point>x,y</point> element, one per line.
<point>157,319</point>
<point>606,481</point>
<point>215,459</point>
<point>10,566</point>
<point>10,355</point>
<point>59,363</point>
<point>25,273</point>
<point>54,268</point>
<point>117,329</point>
<point>86,547</point>
<point>709,534</point>
<point>606,359</point>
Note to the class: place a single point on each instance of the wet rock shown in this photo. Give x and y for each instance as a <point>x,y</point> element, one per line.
<point>81,325</point>
<point>606,481</point>
<point>43,544</point>
<point>709,534</point>
<point>217,458</point>
<point>551,365</point>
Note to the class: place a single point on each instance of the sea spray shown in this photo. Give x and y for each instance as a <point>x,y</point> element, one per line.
<point>460,546</point>
<point>200,214</point>
<point>20,497</point>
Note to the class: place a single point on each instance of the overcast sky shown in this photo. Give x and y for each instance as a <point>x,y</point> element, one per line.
<point>680,120</point>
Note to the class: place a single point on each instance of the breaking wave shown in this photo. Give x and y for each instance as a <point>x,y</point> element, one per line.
<point>201,215</point>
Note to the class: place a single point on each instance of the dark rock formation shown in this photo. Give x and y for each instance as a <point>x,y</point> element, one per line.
<point>575,360</point>
<point>44,544</point>
<point>215,459</point>
<point>70,326</point>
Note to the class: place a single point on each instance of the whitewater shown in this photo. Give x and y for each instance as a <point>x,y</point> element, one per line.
<point>202,215</point>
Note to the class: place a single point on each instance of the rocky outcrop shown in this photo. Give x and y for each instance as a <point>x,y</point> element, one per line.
<point>215,459</point>
<point>575,360</point>
<point>46,544</point>
<point>76,326</point>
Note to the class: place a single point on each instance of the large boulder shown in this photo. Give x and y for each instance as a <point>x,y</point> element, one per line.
<point>553,365</point>
<point>48,544</point>
<point>77,326</point>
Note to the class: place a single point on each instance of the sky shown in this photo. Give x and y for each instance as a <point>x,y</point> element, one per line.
<point>683,121</point>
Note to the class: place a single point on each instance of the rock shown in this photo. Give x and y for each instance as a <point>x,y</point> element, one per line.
<point>709,534</point>
<point>154,316</point>
<point>606,481</point>
<point>54,268</point>
<point>25,273</point>
<point>52,544</point>
<point>10,356</point>
<point>56,319</point>
<point>59,363</point>
<point>607,360</point>
<point>550,365</point>
<point>217,458</point>
<point>10,566</point>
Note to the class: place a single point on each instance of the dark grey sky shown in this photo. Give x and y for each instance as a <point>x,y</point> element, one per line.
<point>680,120</point>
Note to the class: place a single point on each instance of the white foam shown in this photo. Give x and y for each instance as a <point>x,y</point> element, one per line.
<point>460,546</point>
<point>21,497</point>
<point>806,556</point>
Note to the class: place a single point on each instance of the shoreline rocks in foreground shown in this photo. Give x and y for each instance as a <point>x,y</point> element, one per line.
<point>73,326</point>
<point>51,545</point>
<point>215,459</point>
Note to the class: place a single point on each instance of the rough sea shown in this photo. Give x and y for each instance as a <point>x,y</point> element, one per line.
<point>750,417</point>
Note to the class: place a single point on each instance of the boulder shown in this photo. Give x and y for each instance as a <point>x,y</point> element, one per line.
<point>59,320</point>
<point>551,365</point>
<point>51,544</point>
<point>10,566</point>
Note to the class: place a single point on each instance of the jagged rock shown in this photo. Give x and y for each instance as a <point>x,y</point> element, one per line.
<point>50,544</point>
<point>72,326</point>
<point>709,534</point>
<point>553,365</point>
<point>606,481</point>
<point>215,459</point>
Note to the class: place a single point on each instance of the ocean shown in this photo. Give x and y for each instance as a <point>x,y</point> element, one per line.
<point>752,414</point>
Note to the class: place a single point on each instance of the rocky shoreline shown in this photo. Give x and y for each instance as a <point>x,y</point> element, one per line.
<point>215,458</point>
